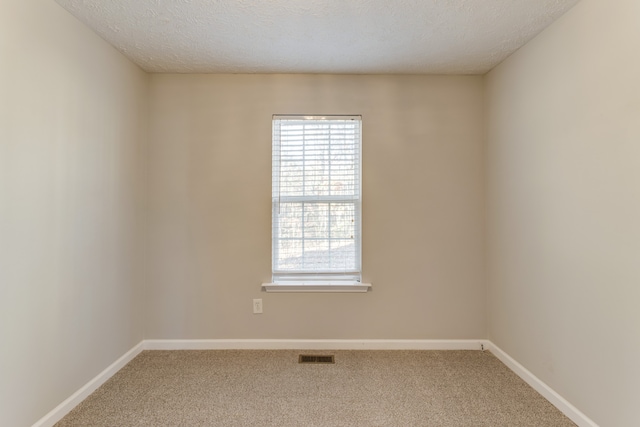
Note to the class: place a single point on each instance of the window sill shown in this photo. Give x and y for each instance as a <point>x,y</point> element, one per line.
<point>316,287</point>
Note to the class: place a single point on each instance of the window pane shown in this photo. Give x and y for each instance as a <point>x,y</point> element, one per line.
<point>290,220</point>
<point>316,255</point>
<point>327,241</point>
<point>290,255</point>
<point>342,221</point>
<point>316,220</point>
<point>343,255</point>
<point>318,158</point>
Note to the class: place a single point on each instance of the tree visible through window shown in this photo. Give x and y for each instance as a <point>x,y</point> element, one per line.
<point>316,198</point>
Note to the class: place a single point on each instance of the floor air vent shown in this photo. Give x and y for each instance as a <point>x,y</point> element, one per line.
<point>307,358</point>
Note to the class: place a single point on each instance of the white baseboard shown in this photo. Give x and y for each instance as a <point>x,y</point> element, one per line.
<point>254,344</point>
<point>65,407</point>
<point>573,413</point>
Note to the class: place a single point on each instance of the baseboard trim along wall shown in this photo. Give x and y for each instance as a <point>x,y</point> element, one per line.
<point>254,344</point>
<point>573,413</point>
<point>65,407</point>
<point>250,344</point>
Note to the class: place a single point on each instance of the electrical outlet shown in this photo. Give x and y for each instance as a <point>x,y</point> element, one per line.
<point>257,306</point>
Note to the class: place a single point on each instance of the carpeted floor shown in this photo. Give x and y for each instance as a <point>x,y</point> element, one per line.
<point>270,388</point>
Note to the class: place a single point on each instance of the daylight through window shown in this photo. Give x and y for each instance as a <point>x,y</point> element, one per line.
<point>316,198</point>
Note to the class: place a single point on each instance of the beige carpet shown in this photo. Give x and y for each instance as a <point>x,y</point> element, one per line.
<point>270,388</point>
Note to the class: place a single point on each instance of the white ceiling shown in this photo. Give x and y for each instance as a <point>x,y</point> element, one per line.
<point>318,36</point>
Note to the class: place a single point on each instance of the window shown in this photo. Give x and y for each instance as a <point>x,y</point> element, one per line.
<point>316,200</point>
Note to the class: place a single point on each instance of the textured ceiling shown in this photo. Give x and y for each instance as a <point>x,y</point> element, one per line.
<point>317,36</point>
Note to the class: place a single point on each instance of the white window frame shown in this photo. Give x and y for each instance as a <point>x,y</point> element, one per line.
<point>315,280</point>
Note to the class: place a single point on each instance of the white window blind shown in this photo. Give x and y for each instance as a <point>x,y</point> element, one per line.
<point>316,198</point>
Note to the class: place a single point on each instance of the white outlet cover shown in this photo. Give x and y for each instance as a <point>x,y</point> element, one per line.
<point>257,306</point>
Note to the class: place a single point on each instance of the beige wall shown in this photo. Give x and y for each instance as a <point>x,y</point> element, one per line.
<point>210,207</point>
<point>72,127</point>
<point>564,208</point>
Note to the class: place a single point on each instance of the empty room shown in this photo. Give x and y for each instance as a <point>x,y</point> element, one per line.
<point>319,213</point>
